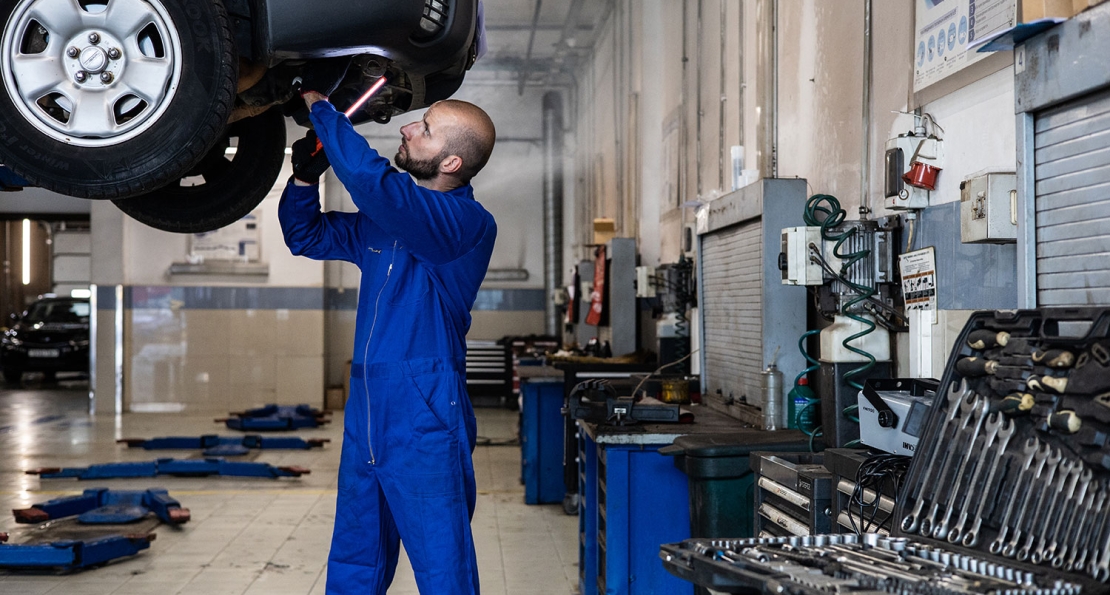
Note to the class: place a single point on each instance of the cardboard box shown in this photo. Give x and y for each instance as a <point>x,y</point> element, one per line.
<point>604,230</point>
<point>1035,10</point>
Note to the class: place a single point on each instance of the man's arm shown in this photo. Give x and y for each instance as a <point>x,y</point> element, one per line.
<point>436,228</point>
<point>320,236</point>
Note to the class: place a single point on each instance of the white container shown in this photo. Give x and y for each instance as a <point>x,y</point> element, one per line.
<point>877,343</point>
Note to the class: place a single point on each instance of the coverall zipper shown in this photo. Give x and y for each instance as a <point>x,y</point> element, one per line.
<point>366,351</point>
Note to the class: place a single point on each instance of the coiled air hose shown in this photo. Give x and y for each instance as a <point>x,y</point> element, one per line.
<point>833,216</point>
<point>814,365</point>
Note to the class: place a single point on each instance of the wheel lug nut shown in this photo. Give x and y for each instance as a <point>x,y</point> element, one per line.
<point>81,76</point>
<point>73,52</point>
<point>105,77</point>
<point>94,38</point>
<point>114,54</point>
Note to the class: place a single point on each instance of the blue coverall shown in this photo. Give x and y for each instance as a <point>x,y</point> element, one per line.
<point>409,430</point>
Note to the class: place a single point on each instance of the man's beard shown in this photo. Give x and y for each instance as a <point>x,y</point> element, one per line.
<point>420,169</point>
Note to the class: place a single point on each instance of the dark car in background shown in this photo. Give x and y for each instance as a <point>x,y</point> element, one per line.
<point>175,109</point>
<point>52,336</point>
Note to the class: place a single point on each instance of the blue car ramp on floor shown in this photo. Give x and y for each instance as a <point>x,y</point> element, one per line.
<point>223,446</point>
<point>175,467</point>
<point>99,506</point>
<point>275,418</point>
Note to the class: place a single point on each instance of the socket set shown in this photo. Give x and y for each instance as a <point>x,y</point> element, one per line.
<point>1012,474</point>
<point>849,563</point>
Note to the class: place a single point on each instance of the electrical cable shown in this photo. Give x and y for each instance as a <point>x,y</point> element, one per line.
<point>660,369</point>
<point>832,216</point>
<point>881,474</point>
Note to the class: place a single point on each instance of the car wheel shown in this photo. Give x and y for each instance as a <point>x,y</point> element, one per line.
<point>50,377</point>
<point>12,376</point>
<point>112,98</point>
<point>225,186</point>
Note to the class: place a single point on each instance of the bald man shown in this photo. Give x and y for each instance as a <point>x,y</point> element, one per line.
<point>423,244</point>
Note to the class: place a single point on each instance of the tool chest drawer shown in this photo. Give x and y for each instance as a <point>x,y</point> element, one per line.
<point>792,494</point>
<point>1008,492</point>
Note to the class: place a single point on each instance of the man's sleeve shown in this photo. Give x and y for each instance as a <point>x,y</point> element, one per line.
<point>320,236</point>
<point>436,228</point>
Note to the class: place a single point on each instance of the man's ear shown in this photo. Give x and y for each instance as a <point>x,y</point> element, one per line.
<point>451,165</point>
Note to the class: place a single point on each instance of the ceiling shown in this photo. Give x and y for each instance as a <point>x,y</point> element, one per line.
<point>537,49</point>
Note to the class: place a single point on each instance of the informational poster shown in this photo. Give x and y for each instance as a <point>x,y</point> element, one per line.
<point>945,28</point>
<point>919,279</point>
<point>238,242</point>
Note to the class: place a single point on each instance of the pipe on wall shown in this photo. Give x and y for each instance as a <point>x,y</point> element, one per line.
<point>552,205</point>
<point>865,161</point>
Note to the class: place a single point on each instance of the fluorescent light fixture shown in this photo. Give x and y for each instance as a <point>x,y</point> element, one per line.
<point>26,251</point>
<point>80,293</point>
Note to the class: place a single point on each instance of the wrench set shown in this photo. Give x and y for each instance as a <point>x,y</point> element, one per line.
<point>848,563</point>
<point>1008,491</point>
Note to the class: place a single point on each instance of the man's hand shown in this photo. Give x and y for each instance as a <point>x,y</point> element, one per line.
<point>309,159</point>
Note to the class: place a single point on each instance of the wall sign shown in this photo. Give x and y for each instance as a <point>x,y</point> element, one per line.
<point>943,30</point>
<point>919,280</point>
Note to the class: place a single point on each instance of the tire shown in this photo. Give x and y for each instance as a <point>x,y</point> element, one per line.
<point>12,376</point>
<point>50,377</point>
<point>232,188</point>
<point>184,62</point>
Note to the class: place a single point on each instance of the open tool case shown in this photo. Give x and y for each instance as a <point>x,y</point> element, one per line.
<point>1008,492</point>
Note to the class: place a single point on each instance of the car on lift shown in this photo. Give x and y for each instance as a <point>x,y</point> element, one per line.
<point>51,336</point>
<point>175,109</point>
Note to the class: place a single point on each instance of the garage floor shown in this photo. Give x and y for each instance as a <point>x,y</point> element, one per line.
<point>252,536</point>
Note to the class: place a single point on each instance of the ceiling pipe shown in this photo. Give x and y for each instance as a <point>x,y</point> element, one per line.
<point>526,68</point>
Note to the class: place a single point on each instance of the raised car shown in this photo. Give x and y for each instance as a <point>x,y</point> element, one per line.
<point>175,109</point>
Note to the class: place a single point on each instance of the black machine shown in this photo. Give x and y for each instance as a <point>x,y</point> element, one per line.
<point>597,401</point>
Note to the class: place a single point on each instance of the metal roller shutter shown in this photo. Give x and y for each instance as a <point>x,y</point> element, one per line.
<point>732,285</point>
<point>1072,176</point>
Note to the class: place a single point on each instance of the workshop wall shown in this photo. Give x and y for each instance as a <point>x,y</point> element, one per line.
<point>204,342</point>
<point>651,111</point>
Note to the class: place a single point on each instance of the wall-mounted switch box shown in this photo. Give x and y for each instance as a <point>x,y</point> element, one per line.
<point>988,208</point>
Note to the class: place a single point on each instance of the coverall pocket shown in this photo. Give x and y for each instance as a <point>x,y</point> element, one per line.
<point>436,392</point>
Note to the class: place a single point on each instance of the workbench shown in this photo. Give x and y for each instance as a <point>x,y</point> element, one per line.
<point>632,499</point>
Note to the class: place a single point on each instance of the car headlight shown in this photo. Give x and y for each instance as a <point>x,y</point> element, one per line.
<point>11,340</point>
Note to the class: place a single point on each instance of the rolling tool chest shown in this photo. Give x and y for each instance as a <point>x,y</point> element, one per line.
<point>1009,490</point>
<point>793,494</point>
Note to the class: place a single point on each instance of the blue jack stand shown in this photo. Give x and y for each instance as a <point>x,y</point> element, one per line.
<point>100,506</point>
<point>175,467</point>
<point>223,446</point>
<point>71,555</point>
<point>275,418</point>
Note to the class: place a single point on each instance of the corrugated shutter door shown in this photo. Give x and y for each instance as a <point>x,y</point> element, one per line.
<point>1072,162</point>
<point>732,295</point>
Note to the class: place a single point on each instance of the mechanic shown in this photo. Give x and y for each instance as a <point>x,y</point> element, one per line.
<point>423,244</point>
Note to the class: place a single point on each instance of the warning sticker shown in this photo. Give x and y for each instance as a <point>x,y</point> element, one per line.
<point>919,279</point>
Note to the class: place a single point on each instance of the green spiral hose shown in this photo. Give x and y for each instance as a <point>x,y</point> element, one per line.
<point>814,365</point>
<point>834,215</point>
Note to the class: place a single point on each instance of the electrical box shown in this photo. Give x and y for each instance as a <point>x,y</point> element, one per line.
<point>988,208</point>
<point>794,260</point>
<point>645,282</point>
<point>900,152</point>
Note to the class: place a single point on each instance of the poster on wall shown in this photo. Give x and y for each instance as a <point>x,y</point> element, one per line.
<point>944,29</point>
<point>919,280</point>
<point>238,242</point>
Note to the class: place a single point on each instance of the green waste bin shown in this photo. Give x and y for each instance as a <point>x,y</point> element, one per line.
<point>722,485</point>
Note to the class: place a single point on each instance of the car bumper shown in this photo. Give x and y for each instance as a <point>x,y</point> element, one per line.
<point>68,361</point>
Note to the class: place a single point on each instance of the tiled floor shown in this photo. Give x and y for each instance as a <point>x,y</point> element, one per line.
<point>253,536</point>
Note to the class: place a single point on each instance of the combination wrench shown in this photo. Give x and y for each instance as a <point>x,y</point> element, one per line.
<point>971,538</point>
<point>1045,472</point>
<point>1078,486</point>
<point>981,414</point>
<point>1031,451</point>
<point>956,395</point>
<point>967,408</point>
<point>1083,502</point>
<point>1080,549</point>
<point>1035,542</point>
<point>999,429</point>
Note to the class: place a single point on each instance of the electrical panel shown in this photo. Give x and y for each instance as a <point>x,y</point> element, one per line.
<point>799,268</point>
<point>901,152</point>
<point>988,208</point>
